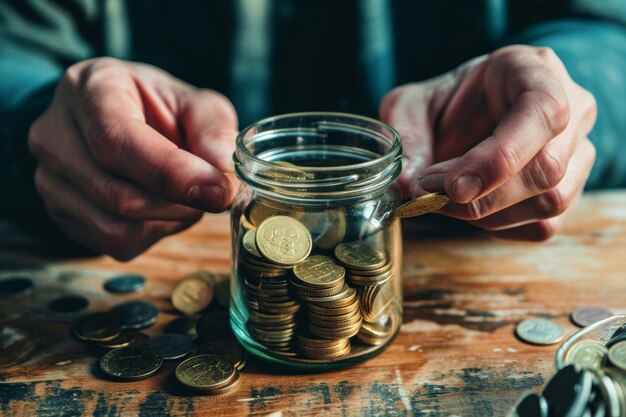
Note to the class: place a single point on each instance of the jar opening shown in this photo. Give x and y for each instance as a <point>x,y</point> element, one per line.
<point>318,156</point>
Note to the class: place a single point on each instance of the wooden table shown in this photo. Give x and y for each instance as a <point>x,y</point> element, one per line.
<point>456,354</point>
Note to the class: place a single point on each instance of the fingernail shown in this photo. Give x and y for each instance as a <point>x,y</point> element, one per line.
<point>466,188</point>
<point>433,182</point>
<point>207,197</point>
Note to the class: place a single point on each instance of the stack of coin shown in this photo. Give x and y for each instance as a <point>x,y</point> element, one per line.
<point>316,348</point>
<point>376,333</point>
<point>371,271</point>
<point>332,306</point>
<point>208,373</point>
<point>265,275</point>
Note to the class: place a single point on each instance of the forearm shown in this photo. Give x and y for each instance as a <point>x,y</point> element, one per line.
<point>594,53</point>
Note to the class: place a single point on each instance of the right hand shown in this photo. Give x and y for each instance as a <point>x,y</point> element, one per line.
<point>128,154</point>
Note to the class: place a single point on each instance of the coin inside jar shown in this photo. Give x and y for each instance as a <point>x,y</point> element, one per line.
<point>283,240</point>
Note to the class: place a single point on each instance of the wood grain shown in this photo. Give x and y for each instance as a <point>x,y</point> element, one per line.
<point>456,354</point>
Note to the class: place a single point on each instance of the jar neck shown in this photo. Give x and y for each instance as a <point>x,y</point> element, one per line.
<point>314,157</point>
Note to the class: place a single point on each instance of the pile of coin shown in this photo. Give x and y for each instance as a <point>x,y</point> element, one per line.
<point>272,309</point>
<point>593,380</point>
<point>311,305</point>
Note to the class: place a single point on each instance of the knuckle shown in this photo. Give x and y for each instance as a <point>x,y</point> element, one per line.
<point>118,199</point>
<point>475,210</point>
<point>107,144</point>
<point>543,230</point>
<point>505,161</point>
<point>389,102</point>
<point>222,105</point>
<point>546,53</point>
<point>551,204</point>
<point>168,174</point>
<point>36,141</point>
<point>549,170</point>
<point>554,111</point>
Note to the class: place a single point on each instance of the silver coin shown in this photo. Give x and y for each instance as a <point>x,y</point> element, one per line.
<point>539,331</point>
<point>586,316</point>
<point>587,354</point>
<point>172,346</point>
<point>136,314</point>
<point>124,284</point>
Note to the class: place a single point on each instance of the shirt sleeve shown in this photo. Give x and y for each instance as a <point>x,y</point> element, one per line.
<point>38,40</point>
<point>594,53</point>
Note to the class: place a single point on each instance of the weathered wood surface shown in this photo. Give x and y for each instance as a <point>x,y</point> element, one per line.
<point>456,354</point>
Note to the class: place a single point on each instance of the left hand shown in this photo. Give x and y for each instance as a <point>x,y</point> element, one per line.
<point>507,134</point>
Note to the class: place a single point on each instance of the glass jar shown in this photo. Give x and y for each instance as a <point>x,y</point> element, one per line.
<point>317,252</point>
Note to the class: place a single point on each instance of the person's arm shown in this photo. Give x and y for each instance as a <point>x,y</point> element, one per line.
<point>594,53</point>
<point>38,40</point>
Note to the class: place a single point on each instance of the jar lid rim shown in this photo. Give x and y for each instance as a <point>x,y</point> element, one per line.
<point>394,148</point>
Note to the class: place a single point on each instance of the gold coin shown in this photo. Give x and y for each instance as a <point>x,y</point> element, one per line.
<point>422,205</point>
<point>319,271</point>
<point>334,322</point>
<point>262,209</point>
<point>336,300</point>
<point>333,311</point>
<point>326,354</point>
<point>206,372</point>
<point>313,342</point>
<point>340,333</point>
<point>245,223</point>
<point>360,255</point>
<point>304,291</point>
<point>232,385</point>
<point>229,348</point>
<point>123,340</point>
<point>283,240</point>
<point>371,280</point>
<point>249,244</point>
<point>99,328</point>
<point>191,295</point>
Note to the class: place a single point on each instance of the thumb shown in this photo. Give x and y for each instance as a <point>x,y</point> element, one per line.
<point>407,110</point>
<point>210,127</point>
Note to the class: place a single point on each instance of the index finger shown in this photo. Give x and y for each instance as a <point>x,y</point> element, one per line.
<point>535,110</point>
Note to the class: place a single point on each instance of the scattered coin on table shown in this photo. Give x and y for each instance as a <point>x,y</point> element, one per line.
<point>586,316</point>
<point>539,331</point>
<point>15,286</point>
<point>131,363</point>
<point>136,314</point>
<point>172,346</point>
<point>211,374</point>
<point>124,284</point>
<point>17,345</point>
<point>192,294</point>
<point>68,304</point>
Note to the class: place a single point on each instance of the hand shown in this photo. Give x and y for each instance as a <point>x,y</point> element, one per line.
<point>508,135</point>
<point>128,154</point>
